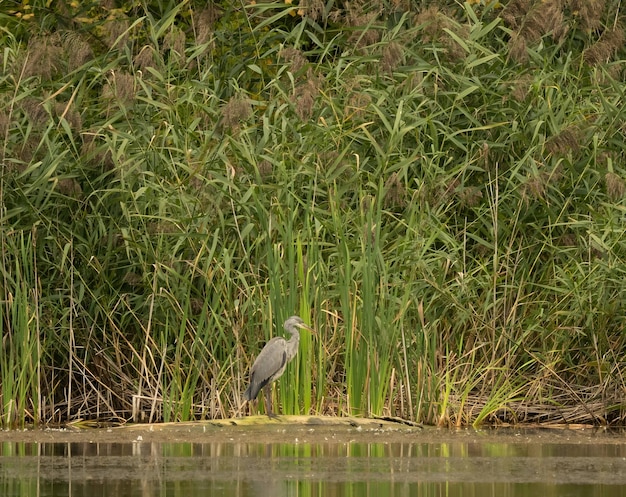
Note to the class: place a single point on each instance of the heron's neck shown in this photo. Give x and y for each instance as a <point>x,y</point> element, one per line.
<point>291,348</point>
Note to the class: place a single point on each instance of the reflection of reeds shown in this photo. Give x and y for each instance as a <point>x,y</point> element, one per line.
<point>446,220</point>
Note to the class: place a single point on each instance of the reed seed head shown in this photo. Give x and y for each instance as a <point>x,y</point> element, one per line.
<point>521,87</point>
<point>615,186</point>
<point>174,42</point>
<point>69,187</point>
<point>116,32</point>
<point>304,96</point>
<point>145,58</point>
<point>392,57</point>
<point>605,48</point>
<point>568,140</point>
<point>44,56</point>
<point>358,17</point>
<point>294,57</point>
<point>205,23</point>
<point>35,111</point>
<point>534,188</point>
<point>120,87</point>
<point>589,12</point>
<point>470,196</point>
<point>357,104</point>
<point>5,123</point>
<point>236,111</point>
<point>78,51</point>
<point>313,9</point>
<point>265,168</point>
<point>70,114</point>
<point>395,193</point>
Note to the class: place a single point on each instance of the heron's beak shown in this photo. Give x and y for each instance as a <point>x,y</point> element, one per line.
<point>308,328</point>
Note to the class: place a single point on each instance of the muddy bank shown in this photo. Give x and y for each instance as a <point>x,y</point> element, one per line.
<point>310,429</point>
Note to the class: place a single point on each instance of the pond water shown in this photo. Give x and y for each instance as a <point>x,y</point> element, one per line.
<point>317,462</point>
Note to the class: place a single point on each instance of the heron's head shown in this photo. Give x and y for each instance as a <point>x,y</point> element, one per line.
<point>296,322</point>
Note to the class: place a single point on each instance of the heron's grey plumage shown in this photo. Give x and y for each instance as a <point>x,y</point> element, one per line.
<point>272,361</point>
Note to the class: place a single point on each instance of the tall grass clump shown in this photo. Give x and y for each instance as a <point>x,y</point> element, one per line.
<point>437,188</point>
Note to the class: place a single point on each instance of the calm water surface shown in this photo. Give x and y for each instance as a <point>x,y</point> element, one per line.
<point>325,468</point>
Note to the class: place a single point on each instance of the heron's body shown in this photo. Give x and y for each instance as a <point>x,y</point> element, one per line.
<point>272,361</point>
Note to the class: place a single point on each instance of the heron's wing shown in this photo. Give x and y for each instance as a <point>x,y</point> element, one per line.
<point>268,365</point>
<point>271,359</point>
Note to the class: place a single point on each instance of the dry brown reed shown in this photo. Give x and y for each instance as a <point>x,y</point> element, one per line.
<point>563,410</point>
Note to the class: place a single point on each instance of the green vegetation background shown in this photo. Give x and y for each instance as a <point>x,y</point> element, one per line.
<point>437,187</point>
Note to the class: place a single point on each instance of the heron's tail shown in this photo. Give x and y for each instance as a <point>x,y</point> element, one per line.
<point>253,390</point>
<point>250,393</point>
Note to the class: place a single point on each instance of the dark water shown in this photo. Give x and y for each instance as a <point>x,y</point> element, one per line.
<point>378,469</point>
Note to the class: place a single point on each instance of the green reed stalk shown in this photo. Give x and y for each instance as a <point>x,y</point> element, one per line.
<point>356,360</point>
<point>305,370</point>
<point>20,366</point>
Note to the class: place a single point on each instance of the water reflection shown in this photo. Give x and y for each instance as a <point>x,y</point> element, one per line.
<point>304,469</point>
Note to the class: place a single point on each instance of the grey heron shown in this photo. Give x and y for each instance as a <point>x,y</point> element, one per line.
<point>272,361</point>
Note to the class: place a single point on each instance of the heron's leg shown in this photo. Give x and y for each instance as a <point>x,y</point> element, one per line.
<point>268,401</point>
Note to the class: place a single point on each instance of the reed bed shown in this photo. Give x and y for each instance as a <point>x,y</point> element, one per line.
<point>438,188</point>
